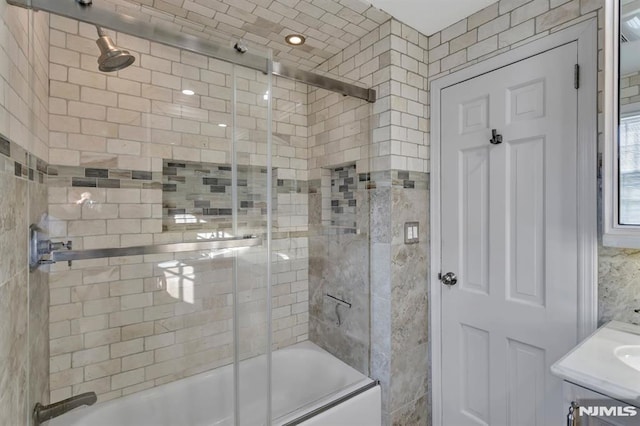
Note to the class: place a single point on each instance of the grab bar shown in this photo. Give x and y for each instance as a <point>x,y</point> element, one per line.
<point>70,255</point>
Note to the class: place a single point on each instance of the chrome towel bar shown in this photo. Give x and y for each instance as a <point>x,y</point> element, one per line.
<point>227,243</point>
<point>45,252</point>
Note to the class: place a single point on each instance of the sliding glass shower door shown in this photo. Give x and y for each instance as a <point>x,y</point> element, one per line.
<point>171,150</point>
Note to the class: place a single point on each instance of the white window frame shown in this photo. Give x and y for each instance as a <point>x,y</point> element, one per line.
<point>614,234</point>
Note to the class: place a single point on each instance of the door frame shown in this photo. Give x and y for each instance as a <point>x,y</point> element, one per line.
<point>586,36</point>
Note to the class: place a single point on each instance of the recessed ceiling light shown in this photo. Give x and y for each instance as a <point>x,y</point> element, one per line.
<point>222,125</point>
<point>188,92</point>
<point>295,39</point>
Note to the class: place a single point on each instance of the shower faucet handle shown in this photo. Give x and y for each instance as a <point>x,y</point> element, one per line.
<point>59,246</point>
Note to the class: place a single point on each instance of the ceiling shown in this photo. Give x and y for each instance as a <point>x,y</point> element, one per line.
<point>329,25</point>
<point>430,16</point>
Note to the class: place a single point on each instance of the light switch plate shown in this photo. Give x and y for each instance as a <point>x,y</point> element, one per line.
<point>411,232</point>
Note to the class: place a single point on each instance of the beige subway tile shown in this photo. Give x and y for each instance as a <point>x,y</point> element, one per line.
<point>102,337</point>
<point>100,274</point>
<point>65,345</point>
<point>59,329</point>
<point>133,301</point>
<point>88,324</point>
<point>64,57</point>
<point>66,378</point>
<point>517,33</point>
<point>99,386</point>
<point>101,306</point>
<point>136,271</point>
<point>123,196</point>
<point>494,27</point>
<point>128,378</point>
<point>136,74</point>
<point>453,31</point>
<point>59,363</point>
<point>99,210</point>
<point>86,110</point>
<point>557,16</point>
<point>90,292</point>
<point>160,369</point>
<point>130,347</point>
<point>65,312</point>
<point>125,318</point>
<point>140,329</point>
<point>124,287</point>
<point>102,369</point>
<point>484,47</point>
<point>509,5</point>
<point>133,362</point>
<point>528,11</point>
<point>99,128</point>
<point>59,296</point>
<point>86,78</point>
<point>483,16</point>
<point>123,226</point>
<point>89,356</point>
<point>123,116</point>
<point>60,394</point>
<point>100,97</point>
<point>101,241</point>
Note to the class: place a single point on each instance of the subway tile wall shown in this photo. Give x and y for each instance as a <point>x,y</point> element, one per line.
<point>121,325</point>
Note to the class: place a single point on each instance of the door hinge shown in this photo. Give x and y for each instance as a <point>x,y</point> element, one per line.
<point>576,76</point>
<point>439,276</point>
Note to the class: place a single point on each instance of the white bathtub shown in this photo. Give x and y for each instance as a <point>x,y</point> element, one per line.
<point>305,377</point>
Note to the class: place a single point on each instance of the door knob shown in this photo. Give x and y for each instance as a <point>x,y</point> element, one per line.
<point>449,279</point>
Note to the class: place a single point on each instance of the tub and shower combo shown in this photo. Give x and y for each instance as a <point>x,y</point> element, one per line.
<point>309,387</point>
<point>250,302</point>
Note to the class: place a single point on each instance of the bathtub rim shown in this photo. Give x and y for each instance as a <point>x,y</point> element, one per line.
<point>321,406</point>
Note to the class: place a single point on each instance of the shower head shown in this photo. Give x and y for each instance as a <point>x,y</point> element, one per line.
<point>112,58</point>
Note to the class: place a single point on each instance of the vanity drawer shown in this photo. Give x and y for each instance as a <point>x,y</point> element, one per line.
<point>593,402</point>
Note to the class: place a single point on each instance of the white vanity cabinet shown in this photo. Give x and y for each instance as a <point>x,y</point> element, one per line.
<point>578,396</point>
<point>602,375</point>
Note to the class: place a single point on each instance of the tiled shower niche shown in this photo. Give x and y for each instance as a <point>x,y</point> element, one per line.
<point>200,196</point>
<point>344,183</point>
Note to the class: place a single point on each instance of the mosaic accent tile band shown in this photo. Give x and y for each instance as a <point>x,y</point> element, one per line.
<point>16,160</point>
<point>65,176</point>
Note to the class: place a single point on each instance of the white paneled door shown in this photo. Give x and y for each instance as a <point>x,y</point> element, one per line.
<point>509,234</point>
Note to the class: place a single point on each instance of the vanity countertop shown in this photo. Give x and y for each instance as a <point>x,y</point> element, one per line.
<point>607,362</point>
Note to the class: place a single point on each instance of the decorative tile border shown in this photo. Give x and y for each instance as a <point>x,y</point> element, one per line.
<point>16,160</point>
<point>291,186</point>
<point>90,177</point>
<point>396,178</point>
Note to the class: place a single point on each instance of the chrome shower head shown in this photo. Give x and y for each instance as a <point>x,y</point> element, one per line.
<point>112,58</point>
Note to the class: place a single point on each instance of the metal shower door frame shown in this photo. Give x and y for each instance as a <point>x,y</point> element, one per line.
<point>97,15</point>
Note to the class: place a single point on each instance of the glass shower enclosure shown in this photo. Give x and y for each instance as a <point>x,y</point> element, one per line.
<point>178,241</point>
